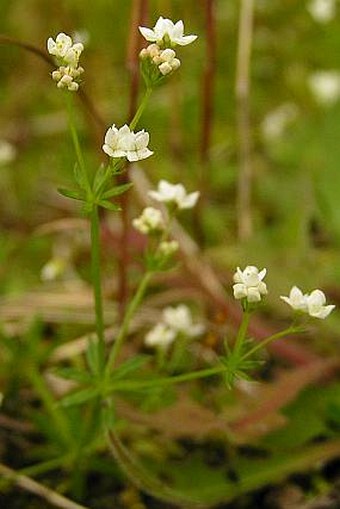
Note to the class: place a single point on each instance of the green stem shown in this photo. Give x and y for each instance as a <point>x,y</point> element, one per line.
<point>241,335</point>
<point>265,342</point>
<point>131,385</point>
<point>76,143</point>
<point>141,108</point>
<point>56,413</point>
<point>134,303</point>
<point>96,282</point>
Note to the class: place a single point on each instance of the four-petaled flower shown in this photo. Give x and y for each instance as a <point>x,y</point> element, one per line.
<point>160,336</point>
<point>313,304</point>
<point>166,33</point>
<point>150,221</point>
<point>249,284</point>
<point>174,194</point>
<point>125,143</point>
<point>180,319</point>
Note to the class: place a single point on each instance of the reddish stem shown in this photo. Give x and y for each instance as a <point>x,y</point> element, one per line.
<point>138,17</point>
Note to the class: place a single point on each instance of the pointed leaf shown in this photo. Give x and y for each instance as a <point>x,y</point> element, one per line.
<point>109,205</point>
<point>129,366</point>
<point>79,176</point>
<point>70,193</point>
<point>77,375</point>
<point>100,177</point>
<point>117,190</point>
<point>92,356</point>
<point>79,397</point>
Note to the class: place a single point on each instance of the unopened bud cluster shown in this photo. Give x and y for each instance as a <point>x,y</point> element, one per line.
<point>67,55</point>
<point>165,60</point>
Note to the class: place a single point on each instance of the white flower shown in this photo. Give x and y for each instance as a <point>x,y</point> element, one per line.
<point>174,194</point>
<point>180,320</point>
<point>312,304</point>
<point>325,86</point>
<point>165,32</point>
<point>125,143</point>
<point>150,221</point>
<point>7,152</point>
<point>316,305</point>
<point>160,336</point>
<point>53,269</point>
<point>60,46</point>
<point>297,300</point>
<point>249,284</point>
<point>276,122</point>
<point>73,54</point>
<point>168,247</point>
<point>322,11</point>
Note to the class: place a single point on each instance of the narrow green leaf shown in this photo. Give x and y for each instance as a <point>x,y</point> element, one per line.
<point>92,356</point>
<point>129,366</point>
<point>109,205</point>
<point>77,375</point>
<point>117,190</point>
<point>70,193</point>
<point>79,176</point>
<point>100,177</point>
<point>79,397</point>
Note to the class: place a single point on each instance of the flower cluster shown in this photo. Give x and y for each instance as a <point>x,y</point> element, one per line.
<point>174,195</point>
<point>175,321</point>
<point>165,60</point>
<point>123,142</point>
<point>159,58</point>
<point>249,284</point>
<point>149,222</point>
<point>67,55</point>
<point>314,304</point>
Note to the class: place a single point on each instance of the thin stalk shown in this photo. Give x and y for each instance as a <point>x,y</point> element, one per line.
<point>141,108</point>
<point>243,119</point>
<point>134,303</point>
<point>273,337</point>
<point>96,282</point>
<point>131,385</point>
<point>241,335</point>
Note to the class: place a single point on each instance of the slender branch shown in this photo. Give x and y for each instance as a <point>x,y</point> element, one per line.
<point>243,119</point>
<point>38,489</point>
<point>134,303</point>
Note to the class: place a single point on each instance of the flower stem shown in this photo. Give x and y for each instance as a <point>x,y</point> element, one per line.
<point>131,385</point>
<point>141,108</point>
<point>134,303</point>
<point>96,282</point>
<point>266,341</point>
<point>241,335</point>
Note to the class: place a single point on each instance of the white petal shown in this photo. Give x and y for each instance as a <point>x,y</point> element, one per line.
<point>185,40</point>
<point>240,291</point>
<point>148,34</point>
